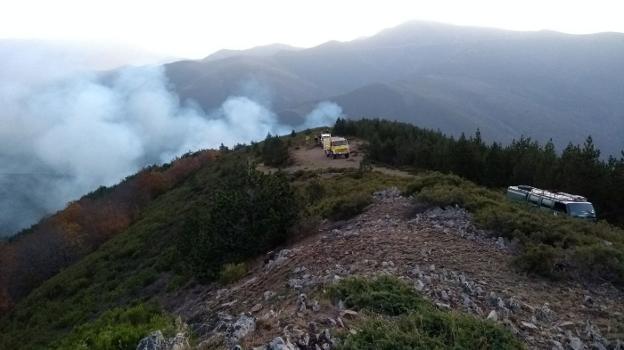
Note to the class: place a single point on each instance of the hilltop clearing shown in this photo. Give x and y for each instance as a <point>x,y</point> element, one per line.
<point>308,156</point>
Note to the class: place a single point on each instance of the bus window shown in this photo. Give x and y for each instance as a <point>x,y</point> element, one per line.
<point>581,210</point>
<point>534,199</point>
<point>547,203</point>
<point>560,207</point>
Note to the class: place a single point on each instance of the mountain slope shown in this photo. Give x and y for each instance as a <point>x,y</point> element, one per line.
<point>445,259</point>
<point>542,84</point>
<point>258,51</point>
<point>58,241</point>
<point>210,83</point>
<point>457,105</point>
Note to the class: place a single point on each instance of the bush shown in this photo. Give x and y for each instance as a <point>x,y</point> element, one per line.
<point>232,272</point>
<point>341,194</point>
<point>404,320</point>
<point>247,213</point>
<point>386,295</point>
<point>275,152</point>
<point>541,259</point>
<point>345,208</point>
<point>314,191</point>
<point>432,330</point>
<point>118,329</point>
<point>600,260</point>
<point>431,179</point>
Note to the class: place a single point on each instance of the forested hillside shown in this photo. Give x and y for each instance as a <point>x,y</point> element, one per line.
<point>224,212</point>
<point>576,169</point>
<point>38,253</point>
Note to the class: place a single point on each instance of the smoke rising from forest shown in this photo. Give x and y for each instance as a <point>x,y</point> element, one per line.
<point>63,136</point>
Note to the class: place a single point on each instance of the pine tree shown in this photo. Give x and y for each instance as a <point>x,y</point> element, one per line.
<point>275,152</point>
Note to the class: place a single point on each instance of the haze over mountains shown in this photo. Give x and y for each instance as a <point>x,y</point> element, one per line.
<point>457,79</point>
<point>63,57</point>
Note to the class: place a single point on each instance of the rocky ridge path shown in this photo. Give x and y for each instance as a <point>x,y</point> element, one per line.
<point>457,266</point>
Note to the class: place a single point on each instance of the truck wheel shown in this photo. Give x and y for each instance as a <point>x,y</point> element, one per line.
<point>335,156</point>
<point>347,155</point>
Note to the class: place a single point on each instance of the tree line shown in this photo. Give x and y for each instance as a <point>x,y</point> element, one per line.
<point>578,169</point>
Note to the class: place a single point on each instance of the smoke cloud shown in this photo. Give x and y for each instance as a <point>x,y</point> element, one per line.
<point>63,137</point>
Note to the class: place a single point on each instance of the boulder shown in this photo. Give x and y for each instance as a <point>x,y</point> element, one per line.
<point>279,344</point>
<point>545,314</point>
<point>493,316</point>
<point>179,342</point>
<point>575,343</point>
<point>238,330</point>
<point>154,341</point>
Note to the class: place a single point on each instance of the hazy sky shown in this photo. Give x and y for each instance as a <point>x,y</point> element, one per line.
<point>196,28</point>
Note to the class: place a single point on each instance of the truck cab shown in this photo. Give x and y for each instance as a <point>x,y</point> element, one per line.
<point>335,147</point>
<point>322,138</point>
<point>581,210</point>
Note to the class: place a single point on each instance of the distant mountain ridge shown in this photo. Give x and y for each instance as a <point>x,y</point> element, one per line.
<point>540,84</point>
<point>257,51</point>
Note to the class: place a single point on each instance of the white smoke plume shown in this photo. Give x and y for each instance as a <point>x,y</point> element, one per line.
<point>62,138</point>
<point>325,113</point>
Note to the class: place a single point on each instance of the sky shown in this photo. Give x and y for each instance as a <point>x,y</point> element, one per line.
<point>194,29</point>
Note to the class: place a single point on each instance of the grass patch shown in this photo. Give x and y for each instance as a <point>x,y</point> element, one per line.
<point>553,246</point>
<point>384,295</point>
<point>398,318</point>
<point>231,273</point>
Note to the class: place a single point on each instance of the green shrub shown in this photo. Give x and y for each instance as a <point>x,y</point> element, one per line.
<point>117,329</point>
<point>314,191</point>
<point>401,319</point>
<point>541,259</point>
<point>232,272</point>
<point>600,260</point>
<point>431,179</point>
<point>385,295</point>
<point>431,330</point>
<point>340,194</point>
<point>248,213</point>
<point>275,152</point>
<point>345,208</point>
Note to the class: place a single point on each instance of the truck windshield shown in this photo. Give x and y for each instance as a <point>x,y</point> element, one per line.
<point>339,143</point>
<point>581,210</point>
